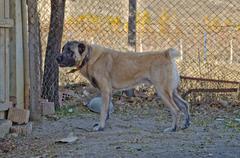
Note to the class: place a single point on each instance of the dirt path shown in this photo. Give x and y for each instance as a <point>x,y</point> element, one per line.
<point>133,132</point>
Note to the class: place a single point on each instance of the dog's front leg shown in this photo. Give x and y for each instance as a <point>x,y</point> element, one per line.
<point>106,96</point>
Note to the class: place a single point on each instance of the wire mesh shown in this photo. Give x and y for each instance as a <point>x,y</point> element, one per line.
<point>206,32</point>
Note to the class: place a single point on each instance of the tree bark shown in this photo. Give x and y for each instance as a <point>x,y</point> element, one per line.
<point>34,60</point>
<point>51,71</point>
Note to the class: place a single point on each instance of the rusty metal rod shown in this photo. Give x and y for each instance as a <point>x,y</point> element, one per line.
<point>209,80</point>
<point>210,90</point>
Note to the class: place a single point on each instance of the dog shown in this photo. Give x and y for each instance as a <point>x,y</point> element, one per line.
<point>109,70</point>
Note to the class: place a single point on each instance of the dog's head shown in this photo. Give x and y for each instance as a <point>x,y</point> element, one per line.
<point>72,54</point>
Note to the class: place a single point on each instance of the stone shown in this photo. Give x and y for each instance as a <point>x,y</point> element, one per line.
<point>19,116</point>
<point>96,103</point>
<point>4,127</point>
<point>47,108</point>
<point>5,106</point>
<point>23,130</point>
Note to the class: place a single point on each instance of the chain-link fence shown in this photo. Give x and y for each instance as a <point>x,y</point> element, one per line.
<point>207,33</point>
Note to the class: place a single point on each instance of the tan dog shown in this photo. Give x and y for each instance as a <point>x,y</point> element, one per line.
<point>110,70</point>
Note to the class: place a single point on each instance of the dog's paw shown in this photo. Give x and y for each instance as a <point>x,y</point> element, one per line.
<point>108,116</point>
<point>186,125</point>
<point>170,129</point>
<point>97,127</point>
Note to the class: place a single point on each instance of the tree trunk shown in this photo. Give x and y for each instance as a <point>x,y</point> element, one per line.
<point>51,70</point>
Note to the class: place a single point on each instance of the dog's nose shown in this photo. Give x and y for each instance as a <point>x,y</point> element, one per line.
<point>59,58</point>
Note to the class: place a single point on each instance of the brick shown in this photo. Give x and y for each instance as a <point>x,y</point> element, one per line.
<point>4,127</point>
<point>43,100</point>
<point>19,116</point>
<point>24,130</point>
<point>5,106</point>
<point>64,95</point>
<point>47,108</point>
<point>61,98</point>
<point>2,114</point>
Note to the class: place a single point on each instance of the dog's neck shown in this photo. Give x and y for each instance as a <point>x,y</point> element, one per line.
<point>86,58</point>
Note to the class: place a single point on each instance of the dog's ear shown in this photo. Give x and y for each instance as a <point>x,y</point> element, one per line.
<point>81,48</point>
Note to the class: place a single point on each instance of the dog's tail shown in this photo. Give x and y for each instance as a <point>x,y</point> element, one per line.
<point>173,53</point>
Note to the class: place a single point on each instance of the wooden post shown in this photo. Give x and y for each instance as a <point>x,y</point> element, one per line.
<point>132,33</point>
<point>34,60</point>
<point>7,41</point>
<point>5,24</point>
<point>26,56</point>
<point>132,25</point>
<point>19,56</point>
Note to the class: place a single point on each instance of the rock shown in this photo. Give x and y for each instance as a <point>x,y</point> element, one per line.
<point>237,119</point>
<point>4,127</point>
<point>69,139</point>
<point>86,93</point>
<point>129,93</point>
<point>70,110</point>
<point>23,130</point>
<point>19,116</point>
<point>219,119</point>
<point>96,103</point>
<point>47,108</point>
<point>12,135</point>
<point>224,103</point>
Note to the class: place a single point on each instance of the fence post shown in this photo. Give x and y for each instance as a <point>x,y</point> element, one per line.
<point>131,33</point>
<point>132,25</point>
<point>34,59</point>
<point>26,56</point>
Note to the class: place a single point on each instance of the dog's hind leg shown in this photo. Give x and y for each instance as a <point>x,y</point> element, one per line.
<point>184,107</point>
<point>167,98</point>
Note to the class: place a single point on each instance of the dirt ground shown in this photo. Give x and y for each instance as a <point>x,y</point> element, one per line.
<point>135,129</point>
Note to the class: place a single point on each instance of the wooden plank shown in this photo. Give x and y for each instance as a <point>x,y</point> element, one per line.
<point>7,44</point>
<point>6,23</point>
<point>5,106</point>
<point>19,56</point>
<point>2,115</point>
<point>12,54</point>
<point>2,57</point>
<point>2,67</point>
<point>34,51</point>
<point>26,56</point>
